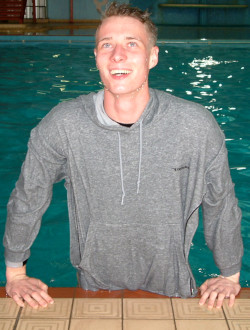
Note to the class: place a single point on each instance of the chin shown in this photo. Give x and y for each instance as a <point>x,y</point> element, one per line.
<point>119,91</point>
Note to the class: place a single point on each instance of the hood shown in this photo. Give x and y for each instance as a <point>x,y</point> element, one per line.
<point>157,106</point>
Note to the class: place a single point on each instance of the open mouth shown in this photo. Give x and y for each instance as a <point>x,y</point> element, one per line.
<point>120,73</point>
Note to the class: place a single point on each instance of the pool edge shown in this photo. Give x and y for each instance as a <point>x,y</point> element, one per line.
<point>72,292</point>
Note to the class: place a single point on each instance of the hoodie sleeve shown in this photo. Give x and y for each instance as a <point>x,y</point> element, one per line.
<point>43,166</point>
<point>222,216</point>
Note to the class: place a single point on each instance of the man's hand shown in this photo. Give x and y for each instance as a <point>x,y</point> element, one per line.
<point>220,288</point>
<point>23,289</point>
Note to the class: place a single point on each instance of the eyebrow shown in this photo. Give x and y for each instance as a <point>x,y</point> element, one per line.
<point>126,38</point>
<point>133,38</point>
<point>104,39</point>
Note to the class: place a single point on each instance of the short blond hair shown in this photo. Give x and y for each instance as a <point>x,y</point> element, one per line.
<point>125,10</point>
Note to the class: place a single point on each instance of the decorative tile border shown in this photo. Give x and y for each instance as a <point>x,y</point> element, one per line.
<point>201,324</point>
<point>8,309</point>
<point>96,324</point>
<point>52,324</point>
<point>147,309</point>
<point>149,324</point>
<point>60,309</point>
<point>189,309</point>
<point>6,324</point>
<point>240,310</point>
<point>97,308</point>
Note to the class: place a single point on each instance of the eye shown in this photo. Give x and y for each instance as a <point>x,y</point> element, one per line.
<point>106,45</point>
<point>132,44</point>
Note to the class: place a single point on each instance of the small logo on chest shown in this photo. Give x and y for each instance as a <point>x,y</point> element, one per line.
<point>180,168</point>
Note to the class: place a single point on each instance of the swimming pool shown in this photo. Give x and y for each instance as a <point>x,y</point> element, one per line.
<point>36,76</point>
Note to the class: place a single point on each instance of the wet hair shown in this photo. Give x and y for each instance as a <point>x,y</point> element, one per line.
<point>125,10</point>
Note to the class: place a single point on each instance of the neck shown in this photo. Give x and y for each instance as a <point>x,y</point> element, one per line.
<point>126,108</point>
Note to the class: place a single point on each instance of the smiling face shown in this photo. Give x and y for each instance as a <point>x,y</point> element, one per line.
<point>124,55</point>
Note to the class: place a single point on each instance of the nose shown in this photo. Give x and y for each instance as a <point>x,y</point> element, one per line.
<point>118,54</point>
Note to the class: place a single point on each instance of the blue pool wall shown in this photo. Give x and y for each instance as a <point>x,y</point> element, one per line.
<point>88,10</point>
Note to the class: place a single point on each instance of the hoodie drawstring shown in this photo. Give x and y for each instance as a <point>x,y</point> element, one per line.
<point>140,157</point>
<point>121,167</point>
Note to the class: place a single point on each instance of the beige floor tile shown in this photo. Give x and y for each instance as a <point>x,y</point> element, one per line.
<point>240,310</point>
<point>52,324</point>
<point>201,324</point>
<point>147,309</point>
<point>7,324</point>
<point>60,309</point>
<point>190,309</point>
<point>97,308</point>
<point>239,324</point>
<point>148,325</point>
<point>8,308</point>
<point>96,324</point>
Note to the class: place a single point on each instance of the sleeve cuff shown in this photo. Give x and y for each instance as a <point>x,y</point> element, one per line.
<point>231,270</point>
<point>15,264</point>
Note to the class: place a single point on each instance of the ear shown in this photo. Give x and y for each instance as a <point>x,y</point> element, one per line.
<point>153,58</point>
<point>95,52</point>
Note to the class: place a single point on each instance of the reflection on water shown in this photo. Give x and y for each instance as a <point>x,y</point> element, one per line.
<point>207,62</point>
<point>34,78</point>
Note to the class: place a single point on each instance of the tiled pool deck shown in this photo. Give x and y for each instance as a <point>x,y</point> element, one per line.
<point>75,308</point>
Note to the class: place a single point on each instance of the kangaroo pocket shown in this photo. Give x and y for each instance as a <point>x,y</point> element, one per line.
<point>136,257</point>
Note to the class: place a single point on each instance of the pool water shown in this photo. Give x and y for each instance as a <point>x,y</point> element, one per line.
<point>35,77</point>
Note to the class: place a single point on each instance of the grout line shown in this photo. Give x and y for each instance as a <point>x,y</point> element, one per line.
<point>171,302</point>
<point>122,310</point>
<point>17,318</point>
<point>71,312</point>
<point>225,317</point>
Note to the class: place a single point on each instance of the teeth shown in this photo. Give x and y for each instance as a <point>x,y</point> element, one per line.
<point>120,71</point>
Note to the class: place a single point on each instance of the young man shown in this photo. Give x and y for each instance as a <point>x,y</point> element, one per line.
<point>137,163</point>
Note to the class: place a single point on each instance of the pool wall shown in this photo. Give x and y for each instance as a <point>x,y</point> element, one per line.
<point>216,16</point>
<point>90,9</point>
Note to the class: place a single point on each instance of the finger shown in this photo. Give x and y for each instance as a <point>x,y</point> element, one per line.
<point>204,298</point>
<point>39,299</point>
<point>36,298</point>
<point>212,297</point>
<point>203,287</point>
<point>18,300</point>
<point>220,300</point>
<point>47,297</point>
<point>30,301</point>
<point>231,300</point>
<point>42,298</point>
<point>40,292</point>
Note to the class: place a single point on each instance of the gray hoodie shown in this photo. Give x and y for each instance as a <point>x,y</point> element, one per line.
<point>133,194</point>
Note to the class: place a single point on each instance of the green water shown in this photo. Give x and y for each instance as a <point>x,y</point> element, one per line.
<point>35,77</point>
